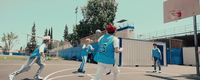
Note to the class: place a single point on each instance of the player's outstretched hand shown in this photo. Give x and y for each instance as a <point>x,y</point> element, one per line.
<point>120,49</point>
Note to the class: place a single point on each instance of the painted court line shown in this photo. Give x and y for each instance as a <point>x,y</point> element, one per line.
<point>89,75</point>
<point>57,77</point>
<point>46,78</point>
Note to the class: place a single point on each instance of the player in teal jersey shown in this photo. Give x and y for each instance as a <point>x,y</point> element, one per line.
<point>108,46</point>
<point>35,57</point>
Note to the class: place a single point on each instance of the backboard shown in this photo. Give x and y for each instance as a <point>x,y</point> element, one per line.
<point>179,9</point>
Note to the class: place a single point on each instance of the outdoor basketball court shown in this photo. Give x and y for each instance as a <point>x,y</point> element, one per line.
<point>63,70</point>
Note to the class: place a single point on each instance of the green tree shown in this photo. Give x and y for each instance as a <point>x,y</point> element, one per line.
<point>9,40</point>
<point>51,36</point>
<point>66,33</point>
<point>73,39</point>
<point>51,33</point>
<point>21,49</point>
<point>46,32</point>
<point>32,44</point>
<point>96,15</point>
<point>33,36</point>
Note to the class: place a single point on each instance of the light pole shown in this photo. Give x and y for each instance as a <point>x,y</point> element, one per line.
<point>170,50</point>
<point>76,12</point>
<point>196,45</point>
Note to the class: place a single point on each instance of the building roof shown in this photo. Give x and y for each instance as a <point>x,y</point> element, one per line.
<point>126,27</point>
<point>121,21</point>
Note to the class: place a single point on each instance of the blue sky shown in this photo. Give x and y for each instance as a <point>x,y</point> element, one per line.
<point>18,16</point>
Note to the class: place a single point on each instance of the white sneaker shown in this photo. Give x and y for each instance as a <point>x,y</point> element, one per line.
<point>38,78</point>
<point>159,71</point>
<point>11,77</point>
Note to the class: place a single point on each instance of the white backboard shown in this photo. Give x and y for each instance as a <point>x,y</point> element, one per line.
<point>179,9</point>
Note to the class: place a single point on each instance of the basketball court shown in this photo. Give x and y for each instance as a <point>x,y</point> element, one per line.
<point>63,70</point>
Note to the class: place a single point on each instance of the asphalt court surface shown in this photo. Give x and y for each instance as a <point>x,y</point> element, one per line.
<point>63,70</point>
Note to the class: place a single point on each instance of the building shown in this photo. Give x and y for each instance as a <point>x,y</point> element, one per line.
<point>126,31</point>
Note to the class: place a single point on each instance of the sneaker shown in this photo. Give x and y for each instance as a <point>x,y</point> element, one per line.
<point>108,73</point>
<point>159,71</point>
<point>11,77</point>
<point>82,72</point>
<point>79,70</point>
<point>38,78</point>
<point>154,71</point>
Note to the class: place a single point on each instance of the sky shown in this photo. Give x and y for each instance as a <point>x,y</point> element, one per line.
<point>18,16</point>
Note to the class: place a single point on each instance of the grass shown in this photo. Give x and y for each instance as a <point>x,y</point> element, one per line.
<point>13,57</point>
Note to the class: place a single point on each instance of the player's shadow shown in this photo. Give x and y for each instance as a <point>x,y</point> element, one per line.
<point>79,74</point>
<point>27,79</point>
<point>75,72</point>
<point>160,77</point>
<point>150,72</point>
<point>189,76</point>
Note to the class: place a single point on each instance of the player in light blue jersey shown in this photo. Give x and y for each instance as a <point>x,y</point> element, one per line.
<point>156,56</point>
<point>35,57</point>
<point>86,49</point>
<point>108,46</point>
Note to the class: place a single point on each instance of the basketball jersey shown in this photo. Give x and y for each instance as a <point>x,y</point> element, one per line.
<point>36,52</point>
<point>87,49</point>
<point>156,53</point>
<point>106,49</point>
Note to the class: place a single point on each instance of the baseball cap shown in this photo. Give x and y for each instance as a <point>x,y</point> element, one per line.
<point>98,31</point>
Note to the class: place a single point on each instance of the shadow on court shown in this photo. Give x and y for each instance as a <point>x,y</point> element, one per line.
<point>160,77</point>
<point>190,76</point>
<point>150,72</point>
<point>27,79</point>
